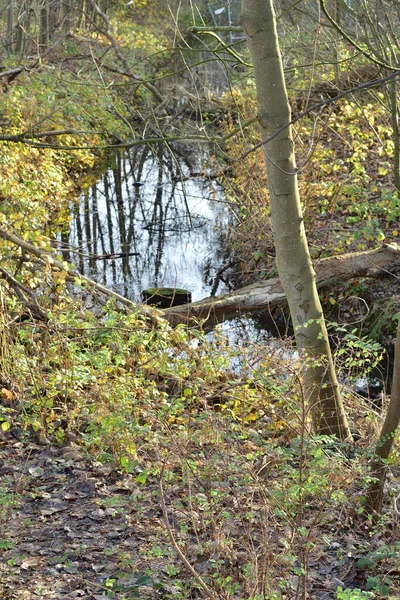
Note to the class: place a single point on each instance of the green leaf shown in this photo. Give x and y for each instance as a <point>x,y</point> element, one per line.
<point>365,563</point>
<point>141,478</point>
<point>144,580</point>
<point>372,583</point>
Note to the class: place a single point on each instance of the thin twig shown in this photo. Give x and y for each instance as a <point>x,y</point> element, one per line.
<point>21,292</point>
<point>124,61</point>
<point>210,593</point>
<point>50,259</point>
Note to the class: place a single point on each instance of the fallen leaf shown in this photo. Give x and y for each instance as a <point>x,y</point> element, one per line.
<point>30,562</point>
<point>7,394</point>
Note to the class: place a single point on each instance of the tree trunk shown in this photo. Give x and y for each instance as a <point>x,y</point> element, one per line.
<point>384,445</point>
<point>10,26</point>
<point>293,259</point>
<point>22,39</point>
<point>269,294</point>
<point>44,33</point>
<point>396,133</point>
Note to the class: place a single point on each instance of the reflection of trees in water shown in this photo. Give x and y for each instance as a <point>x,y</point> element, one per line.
<point>120,230</point>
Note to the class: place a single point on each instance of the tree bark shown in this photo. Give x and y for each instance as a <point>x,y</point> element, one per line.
<point>10,26</point>
<point>396,133</point>
<point>267,295</point>
<point>293,258</point>
<point>384,445</point>
<point>44,30</point>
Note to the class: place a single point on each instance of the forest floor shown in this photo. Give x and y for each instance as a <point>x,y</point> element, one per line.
<point>75,528</point>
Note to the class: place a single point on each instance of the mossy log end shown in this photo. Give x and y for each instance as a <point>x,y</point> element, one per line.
<point>269,294</point>
<point>262,295</point>
<point>166,297</point>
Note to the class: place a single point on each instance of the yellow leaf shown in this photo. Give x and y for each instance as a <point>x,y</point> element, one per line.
<point>5,425</point>
<point>131,449</point>
<point>7,395</point>
<point>251,417</point>
<point>380,236</point>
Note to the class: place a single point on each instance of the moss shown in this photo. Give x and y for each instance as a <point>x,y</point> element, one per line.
<point>165,291</point>
<point>166,297</point>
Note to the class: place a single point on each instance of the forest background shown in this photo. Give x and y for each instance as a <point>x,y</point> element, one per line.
<point>201,480</point>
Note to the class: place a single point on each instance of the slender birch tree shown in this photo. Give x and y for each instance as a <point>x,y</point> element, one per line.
<point>386,439</point>
<point>292,254</point>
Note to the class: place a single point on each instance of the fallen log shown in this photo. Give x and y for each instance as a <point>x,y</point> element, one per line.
<point>269,294</point>
<point>262,295</point>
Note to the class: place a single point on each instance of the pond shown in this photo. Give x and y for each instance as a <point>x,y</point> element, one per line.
<point>156,218</point>
<point>150,221</point>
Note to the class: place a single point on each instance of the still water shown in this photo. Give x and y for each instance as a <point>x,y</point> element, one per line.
<point>148,222</point>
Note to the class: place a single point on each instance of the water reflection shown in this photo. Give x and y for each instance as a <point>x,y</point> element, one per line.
<point>148,223</point>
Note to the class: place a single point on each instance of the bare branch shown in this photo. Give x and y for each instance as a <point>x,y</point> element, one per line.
<point>49,258</point>
<point>204,587</point>
<point>112,40</point>
<point>60,132</point>
<point>12,72</point>
<point>21,292</point>
<point>221,28</point>
<point>166,139</point>
<point>367,54</point>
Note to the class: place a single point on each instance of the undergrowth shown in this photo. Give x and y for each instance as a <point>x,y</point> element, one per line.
<point>217,435</point>
<point>345,184</point>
